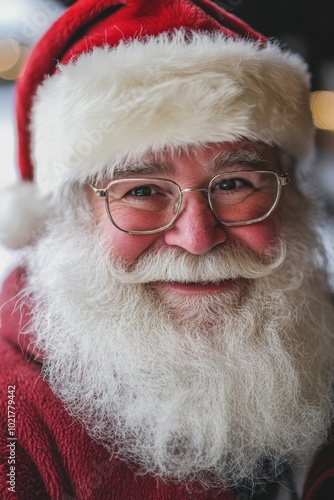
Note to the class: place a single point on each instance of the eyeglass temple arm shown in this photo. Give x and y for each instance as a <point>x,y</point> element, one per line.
<point>101,193</point>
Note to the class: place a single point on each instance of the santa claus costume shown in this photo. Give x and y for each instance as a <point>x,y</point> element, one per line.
<point>108,82</point>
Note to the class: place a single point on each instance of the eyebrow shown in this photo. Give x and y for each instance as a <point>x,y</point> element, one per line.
<point>144,167</point>
<point>221,161</point>
<point>244,157</point>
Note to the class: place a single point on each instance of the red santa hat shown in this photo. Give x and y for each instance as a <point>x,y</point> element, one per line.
<point>112,80</point>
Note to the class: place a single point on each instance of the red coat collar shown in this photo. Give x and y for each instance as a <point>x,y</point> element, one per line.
<point>15,314</point>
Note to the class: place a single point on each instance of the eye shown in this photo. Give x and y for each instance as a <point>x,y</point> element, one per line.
<point>231,183</point>
<point>141,191</point>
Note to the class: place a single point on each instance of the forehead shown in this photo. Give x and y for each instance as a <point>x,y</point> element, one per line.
<point>208,158</point>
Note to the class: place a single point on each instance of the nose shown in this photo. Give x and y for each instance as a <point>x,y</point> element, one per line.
<point>196,230</point>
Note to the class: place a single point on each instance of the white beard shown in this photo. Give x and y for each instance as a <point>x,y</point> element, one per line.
<point>240,379</point>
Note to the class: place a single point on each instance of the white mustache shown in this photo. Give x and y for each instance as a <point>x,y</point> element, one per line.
<point>175,265</point>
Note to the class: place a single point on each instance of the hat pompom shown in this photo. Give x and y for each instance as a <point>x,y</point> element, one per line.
<point>22,211</point>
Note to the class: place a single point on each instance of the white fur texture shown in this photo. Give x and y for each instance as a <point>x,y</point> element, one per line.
<point>114,104</point>
<point>22,210</point>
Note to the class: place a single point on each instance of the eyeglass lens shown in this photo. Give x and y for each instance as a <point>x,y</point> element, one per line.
<point>151,204</point>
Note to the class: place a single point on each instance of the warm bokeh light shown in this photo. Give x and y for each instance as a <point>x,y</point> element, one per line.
<point>9,54</point>
<point>11,69</point>
<point>322,106</point>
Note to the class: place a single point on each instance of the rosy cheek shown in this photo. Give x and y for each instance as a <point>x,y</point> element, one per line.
<point>258,237</point>
<point>127,247</point>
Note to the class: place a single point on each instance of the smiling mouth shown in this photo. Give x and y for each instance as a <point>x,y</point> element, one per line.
<point>200,283</point>
<point>195,287</point>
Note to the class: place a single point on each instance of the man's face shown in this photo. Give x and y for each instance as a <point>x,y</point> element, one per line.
<point>196,230</point>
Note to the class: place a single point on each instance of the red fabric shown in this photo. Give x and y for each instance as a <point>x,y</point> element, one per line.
<point>54,456</point>
<point>89,23</point>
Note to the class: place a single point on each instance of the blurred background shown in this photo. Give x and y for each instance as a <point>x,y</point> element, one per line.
<point>304,26</point>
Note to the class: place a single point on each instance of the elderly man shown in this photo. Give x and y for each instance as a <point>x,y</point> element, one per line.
<point>168,334</point>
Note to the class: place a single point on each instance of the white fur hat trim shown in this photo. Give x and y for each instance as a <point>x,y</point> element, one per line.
<point>111,105</point>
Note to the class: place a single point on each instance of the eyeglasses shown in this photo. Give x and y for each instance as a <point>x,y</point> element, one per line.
<point>148,205</point>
